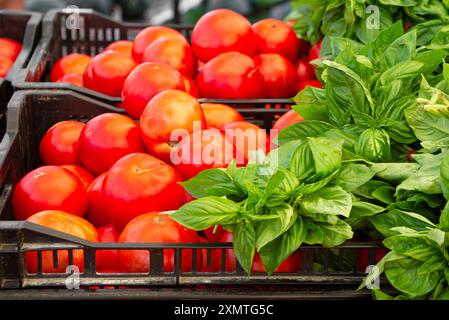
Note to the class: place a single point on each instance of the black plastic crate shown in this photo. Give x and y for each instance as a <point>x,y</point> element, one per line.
<point>30,114</point>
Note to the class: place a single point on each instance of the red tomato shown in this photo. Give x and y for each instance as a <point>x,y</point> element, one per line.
<point>314,52</point>
<point>290,265</point>
<point>107,72</point>
<point>63,222</point>
<point>286,120</point>
<point>217,114</point>
<point>214,236</point>
<point>155,228</point>
<point>107,260</point>
<point>230,75</point>
<point>304,70</point>
<point>96,212</point>
<point>147,80</point>
<point>140,183</point>
<point>60,144</point>
<point>72,63</point>
<point>168,117</point>
<point>49,188</point>
<point>309,83</point>
<point>247,138</point>
<point>220,31</point>
<point>190,87</point>
<point>408,26</point>
<point>105,139</point>
<point>5,65</point>
<point>275,36</point>
<point>148,35</point>
<point>202,150</point>
<point>175,52</point>
<point>304,47</point>
<point>81,173</point>
<point>72,78</point>
<point>363,257</point>
<point>9,48</point>
<point>123,46</point>
<point>278,75</point>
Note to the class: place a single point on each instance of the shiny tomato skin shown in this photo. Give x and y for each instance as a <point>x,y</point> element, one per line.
<point>107,72</point>
<point>190,87</point>
<point>72,63</point>
<point>5,65</point>
<point>148,35</point>
<point>59,145</point>
<point>220,31</point>
<point>314,52</point>
<point>309,83</point>
<point>304,70</point>
<point>172,51</point>
<point>276,36</point>
<point>72,78</point>
<point>107,260</point>
<point>96,212</point>
<point>217,114</point>
<point>9,48</point>
<point>214,236</point>
<point>278,75</point>
<point>140,183</point>
<point>81,173</point>
<point>167,112</point>
<point>105,139</point>
<point>49,188</point>
<point>123,46</point>
<point>287,119</point>
<point>230,75</point>
<point>63,222</point>
<point>155,228</point>
<point>147,80</point>
<point>202,150</point>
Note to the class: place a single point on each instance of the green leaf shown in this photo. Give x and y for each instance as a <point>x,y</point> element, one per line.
<point>386,221</point>
<point>281,156</point>
<point>413,247</point>
<point>311,104</point>
<point>444,218</point>
<point>444,177</point>
<point>301,130</point>
<point>332,200</point>
<point>334,235</point>
<point>364,209</point>
<point>309,188</point>
<point>279,188</point>
<point>244,242</point>
<point>374,145</point>
<point>394,172</point>
<point>401,49</point>
<point>212,182</point>
<point>352,176</point>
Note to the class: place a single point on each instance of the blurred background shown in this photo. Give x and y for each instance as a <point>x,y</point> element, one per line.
<point>160,11</point>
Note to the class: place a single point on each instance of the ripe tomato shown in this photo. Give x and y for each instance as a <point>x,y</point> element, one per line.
<point>230,75</point>
<point>278,75</point>
<point>81,173</point>
<point>140,183</point>
<point>123,46</point>
<point>309,83</point>
<point>72,63</point>
<point>175,52</point>
<point>72,78</point>
<point>168,117</point>
<point>148,35</point>
<point>96,211</point>
<point>105,139</point>
<point>304,70</point>
<point>49,188</point>
<point>107,72</point>
<point>202,150</point>
<point>60,144</point>
<point>275,36</point>
<point>63,222</point>
<point>214,236</point>
<point>190,87</point>
<point>314,52</point>
<point>155,228</point>
<point>304,47</point>
<point>247,139</point>
<point>286,120</point>
<point>5,65</point>
<point>147,80</point>
<point>220,31</point>
<point>217,114</point>
<point>107,260</point>
<point>9,48</point>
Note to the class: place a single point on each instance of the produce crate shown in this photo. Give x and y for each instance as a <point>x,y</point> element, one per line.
<point>91,33</point>
<point>30,114</point>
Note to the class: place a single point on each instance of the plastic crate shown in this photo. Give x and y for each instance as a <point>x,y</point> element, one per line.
<point>30,114</point>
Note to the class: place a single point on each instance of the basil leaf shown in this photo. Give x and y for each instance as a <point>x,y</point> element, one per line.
<point>281,156</point>
<point>331,200</point>
<point>384,222</point>
<point>444,218</point>
<point>244,242</point>
<point>279,188</point>
<point>374,145</point>
<point>413,247</point>
<point>444,177</point>
<point>400,50</point>
<point>309,188</point>
<point>364,209</point>
<point>352,176</point>
<point>311,104</point>
<point>331,235</point>
<point>301,130</point>
<point>212,182</point>
<point>394,172</point>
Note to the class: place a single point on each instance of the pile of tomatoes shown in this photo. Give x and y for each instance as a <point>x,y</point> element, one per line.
<point>9,51</point>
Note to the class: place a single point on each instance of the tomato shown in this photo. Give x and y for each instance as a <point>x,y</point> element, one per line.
<point>314,52</point>
<point>155,228</point>
<point>247,139</point>
<point>190,87</point>
<point>123,46</point>
<point>168,117</point>
<point>107,260</point>
<point>96,212</point>
<point>304,70</point>
<point>309,83</point>
<point>9,48</point>
<point>81,173</point>
<point>63,222</point>
<point>5,65</point>
<point>230,75</point>
<point>408,26</point>
<point>172,51</point>
<point>147,80</point>
<point>148,35</point>
<point>217,114</point>
<point>49,188</point>
<point>202,150</point>
<point>275,36</point>
<point>72,78</point>
<point>214,236</point>
<point>140,183</point>
<point>363,257</point>
<point>220,31</point>
<point>290,265</point>
<point>278,75</point>
<point>105,139</point>
<point>286,120</point>
<point>72,63</point>
<point>107,72</point>
<point>304,47</point>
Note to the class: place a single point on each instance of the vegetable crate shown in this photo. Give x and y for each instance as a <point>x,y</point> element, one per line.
<point>325,273</point>
<point>80,31</point>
